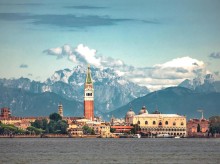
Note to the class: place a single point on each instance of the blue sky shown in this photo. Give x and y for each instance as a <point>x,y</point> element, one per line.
<point>154,43</point>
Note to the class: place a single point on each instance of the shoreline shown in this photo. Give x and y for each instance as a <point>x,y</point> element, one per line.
<point>67,136</point>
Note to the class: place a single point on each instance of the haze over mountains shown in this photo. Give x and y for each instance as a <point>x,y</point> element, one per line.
<point>114,95</point>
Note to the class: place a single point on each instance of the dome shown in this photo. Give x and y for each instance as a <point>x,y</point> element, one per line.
<point>143,110</point>
<point>130,113</point>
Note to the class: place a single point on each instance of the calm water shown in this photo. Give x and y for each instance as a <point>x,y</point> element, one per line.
<point>92,151</point>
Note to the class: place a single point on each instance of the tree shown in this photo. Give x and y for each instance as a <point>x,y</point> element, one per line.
<point>88,130</point>
<point>198,128</point>
<point>34,130</point>
<point>135,129</point>
<point>37,124</point>
<point>112,130</point>
<point>51,126</point>
<point>55,117</point>
<point>214,125</point>
<point>61,126</point>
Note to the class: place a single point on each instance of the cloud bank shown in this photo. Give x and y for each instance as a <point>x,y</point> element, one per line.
<point>170,73</point>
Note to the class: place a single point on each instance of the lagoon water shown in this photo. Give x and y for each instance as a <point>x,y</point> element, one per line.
<point>97,151</point>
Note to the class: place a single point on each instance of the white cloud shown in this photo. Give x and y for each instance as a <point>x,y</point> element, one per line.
<point>88,55</point>
<point>167,74</point>
<point>170,73</point>
<point>84,55</point>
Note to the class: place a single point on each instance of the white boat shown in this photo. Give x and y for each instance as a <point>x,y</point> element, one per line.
<point>136,136</point>
<point>177,137</point>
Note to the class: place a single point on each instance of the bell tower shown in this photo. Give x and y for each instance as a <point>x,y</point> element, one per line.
<point>89,97</point>
<point>60,109</point>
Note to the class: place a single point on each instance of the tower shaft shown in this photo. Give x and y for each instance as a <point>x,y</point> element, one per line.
<point>89,97</point>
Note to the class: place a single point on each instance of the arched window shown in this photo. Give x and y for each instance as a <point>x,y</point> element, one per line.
<point>174,124</point>
<point>138,122</point>
<point>146,122</point>
<point>154,122</point>
<point>166,123</point>
<point>182,123</point>
<point>160,123</point>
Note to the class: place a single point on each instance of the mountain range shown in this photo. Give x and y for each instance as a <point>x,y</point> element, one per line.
<point>177,100</point>
<point>111,90</point>
<point>114,95</point>
<point>204,84</point>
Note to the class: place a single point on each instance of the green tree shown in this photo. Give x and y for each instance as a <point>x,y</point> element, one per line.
<point>55,117</point>
<point>45,124</point>
<point>214,125</point>
<point>61,126</point>
<point>34,130</point>
<point>52,126</point>
<point>37,124</point>
<point>198,128</point>
<point>112,130</point>
<point>8,129</point>
<point>88,130</point>
<point>135,129</point>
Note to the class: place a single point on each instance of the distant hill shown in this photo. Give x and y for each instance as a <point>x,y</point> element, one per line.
<point>24,103</point>
<point>175,100</point>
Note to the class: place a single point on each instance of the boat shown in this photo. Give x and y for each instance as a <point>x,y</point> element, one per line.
<point>177,137</point>
<point>136,136</point>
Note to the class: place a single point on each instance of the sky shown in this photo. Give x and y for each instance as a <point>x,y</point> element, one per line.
<point>154,43</point>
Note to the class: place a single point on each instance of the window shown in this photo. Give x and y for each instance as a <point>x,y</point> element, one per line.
<point>182,123</point>
<point>146,122</point>
<point>174,124</point>
<point>138,122</point>
<point>160,123</point>
<point>166,122</point>
<point>88,94</point>
<point>154,122</point>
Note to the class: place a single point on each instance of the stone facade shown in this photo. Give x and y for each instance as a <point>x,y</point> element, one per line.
<point>158,123</point>
<point>193,125</point>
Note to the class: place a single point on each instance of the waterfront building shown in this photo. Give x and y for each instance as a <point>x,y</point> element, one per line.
<point>157,123</point>
<point>23,124</point>
<point>5,113</point>
<point>122,129</point>
<point>105,131</point>
<point>197,126</point>
<point>89,96</point>
<point>117,121</point>
<point>129,117</point>
<point>60,109</point>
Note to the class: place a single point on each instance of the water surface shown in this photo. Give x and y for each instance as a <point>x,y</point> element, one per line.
<point>95,151</point>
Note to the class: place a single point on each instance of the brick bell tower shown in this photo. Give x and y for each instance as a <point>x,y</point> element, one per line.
<point>89,97</point>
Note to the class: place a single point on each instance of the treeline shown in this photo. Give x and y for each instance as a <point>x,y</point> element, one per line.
<point>56,126</point>
<point>9,129</point>
<point>214,124</point>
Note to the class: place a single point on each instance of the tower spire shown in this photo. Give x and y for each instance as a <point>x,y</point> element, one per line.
<point>88,76</point>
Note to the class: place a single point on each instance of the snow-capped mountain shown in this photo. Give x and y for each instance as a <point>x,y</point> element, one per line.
<point>202,84</point>
<point>111,90</point>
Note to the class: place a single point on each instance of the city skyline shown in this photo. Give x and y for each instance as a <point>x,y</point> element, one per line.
<point>153,43</point>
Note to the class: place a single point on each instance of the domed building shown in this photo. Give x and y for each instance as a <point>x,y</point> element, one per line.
<point>129,116</point>
<point>157,123</point>
<point>143,110</point>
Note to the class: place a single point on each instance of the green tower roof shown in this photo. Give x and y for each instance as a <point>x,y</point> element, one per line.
<point>88,76</point>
